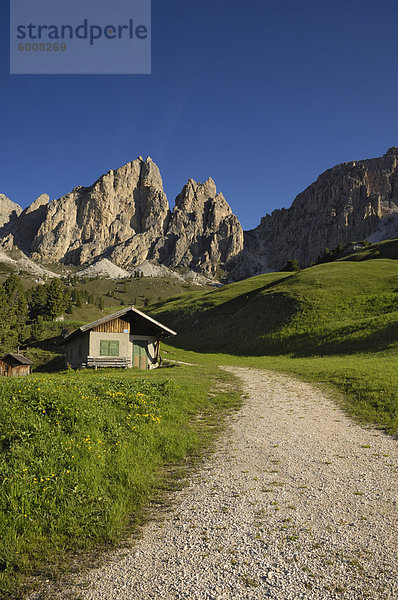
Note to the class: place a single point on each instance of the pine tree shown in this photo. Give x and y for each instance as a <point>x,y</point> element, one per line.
<point>13,313</point>
<point>16,297</point>
<point>38,301</point>
<point>55,299</point>
<point>38,329</point>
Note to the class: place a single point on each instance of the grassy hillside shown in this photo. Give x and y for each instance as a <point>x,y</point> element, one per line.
<point>140,292</point>
<point>81,452</point>
<point>335,323</point>
<point>339,307</point>
<point>384,249</point>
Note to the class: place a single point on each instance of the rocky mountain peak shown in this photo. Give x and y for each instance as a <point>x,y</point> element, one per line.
<point>117,217</point>
<point>125,217</point>
<point>346,203</point>
<point>202,234</point>
<point>8,210</point>
<point>42,200</point>
<point>392,151</point>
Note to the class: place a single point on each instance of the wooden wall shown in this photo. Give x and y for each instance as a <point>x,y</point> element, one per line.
<point>115,326</point>
<point>13,371</point>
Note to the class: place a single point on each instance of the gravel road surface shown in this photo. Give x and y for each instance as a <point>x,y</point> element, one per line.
<point>297,502</point>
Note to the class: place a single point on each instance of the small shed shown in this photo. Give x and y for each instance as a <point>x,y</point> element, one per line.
<point>127,338</point>
<point>14,364</point>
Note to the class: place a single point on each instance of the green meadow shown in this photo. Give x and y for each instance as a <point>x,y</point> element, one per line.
<point>335,323</point>
<point>82,453</point>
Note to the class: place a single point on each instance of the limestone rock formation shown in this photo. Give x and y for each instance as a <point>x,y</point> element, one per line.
<point>124,217</point>
<point>348,202</point>
<point>8,210</point>
<point>119,217</point>
<point>202,235</point>
<point>25,228</point>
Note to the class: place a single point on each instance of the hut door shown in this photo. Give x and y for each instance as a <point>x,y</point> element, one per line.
<point>140,356</point>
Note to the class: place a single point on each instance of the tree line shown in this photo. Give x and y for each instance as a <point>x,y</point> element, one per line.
<point>23,312</point>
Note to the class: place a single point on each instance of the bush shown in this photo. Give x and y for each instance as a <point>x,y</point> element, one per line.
<point>292,265</point>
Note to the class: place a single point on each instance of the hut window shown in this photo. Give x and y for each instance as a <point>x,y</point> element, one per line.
<point>109,348</point>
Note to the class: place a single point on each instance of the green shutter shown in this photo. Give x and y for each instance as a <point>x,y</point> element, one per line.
<point>104,348</point>
<point>109,348</point>
<point>113,347</point>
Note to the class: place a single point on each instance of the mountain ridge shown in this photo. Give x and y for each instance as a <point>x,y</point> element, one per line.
<point>125,217</point>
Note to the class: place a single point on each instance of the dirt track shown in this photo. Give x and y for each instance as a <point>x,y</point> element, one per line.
<point>297,502</point>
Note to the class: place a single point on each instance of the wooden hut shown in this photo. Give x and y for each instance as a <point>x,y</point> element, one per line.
<point>127,338</point>
<point>14,364</point>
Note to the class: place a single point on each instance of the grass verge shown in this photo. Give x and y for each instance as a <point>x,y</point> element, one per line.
<point>80,454</point>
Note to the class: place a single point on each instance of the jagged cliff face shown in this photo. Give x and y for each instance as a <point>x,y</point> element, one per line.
<point>203,234</point>
<point>8,210</point>
<point>125,217</point>
<point>345,203</point>
<point>120,216</point>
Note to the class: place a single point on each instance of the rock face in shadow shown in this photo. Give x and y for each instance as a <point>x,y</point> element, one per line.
<point>30,220</point>
<point>345,203</point>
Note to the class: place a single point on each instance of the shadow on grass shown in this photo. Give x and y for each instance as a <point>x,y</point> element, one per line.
<point>352,339</point>
<point>46,355</point>
<point>53,365</point>
<point>236,322</point>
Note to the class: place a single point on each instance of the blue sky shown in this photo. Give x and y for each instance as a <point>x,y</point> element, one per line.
<point>262,96</point>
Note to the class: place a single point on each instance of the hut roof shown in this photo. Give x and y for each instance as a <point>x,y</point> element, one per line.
<point>156,325</point>
<point>18,358</point>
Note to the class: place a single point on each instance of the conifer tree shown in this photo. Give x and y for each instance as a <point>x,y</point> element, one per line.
<point>55,299</point>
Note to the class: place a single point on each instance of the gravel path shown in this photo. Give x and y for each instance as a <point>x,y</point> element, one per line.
<point>297,502</point>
